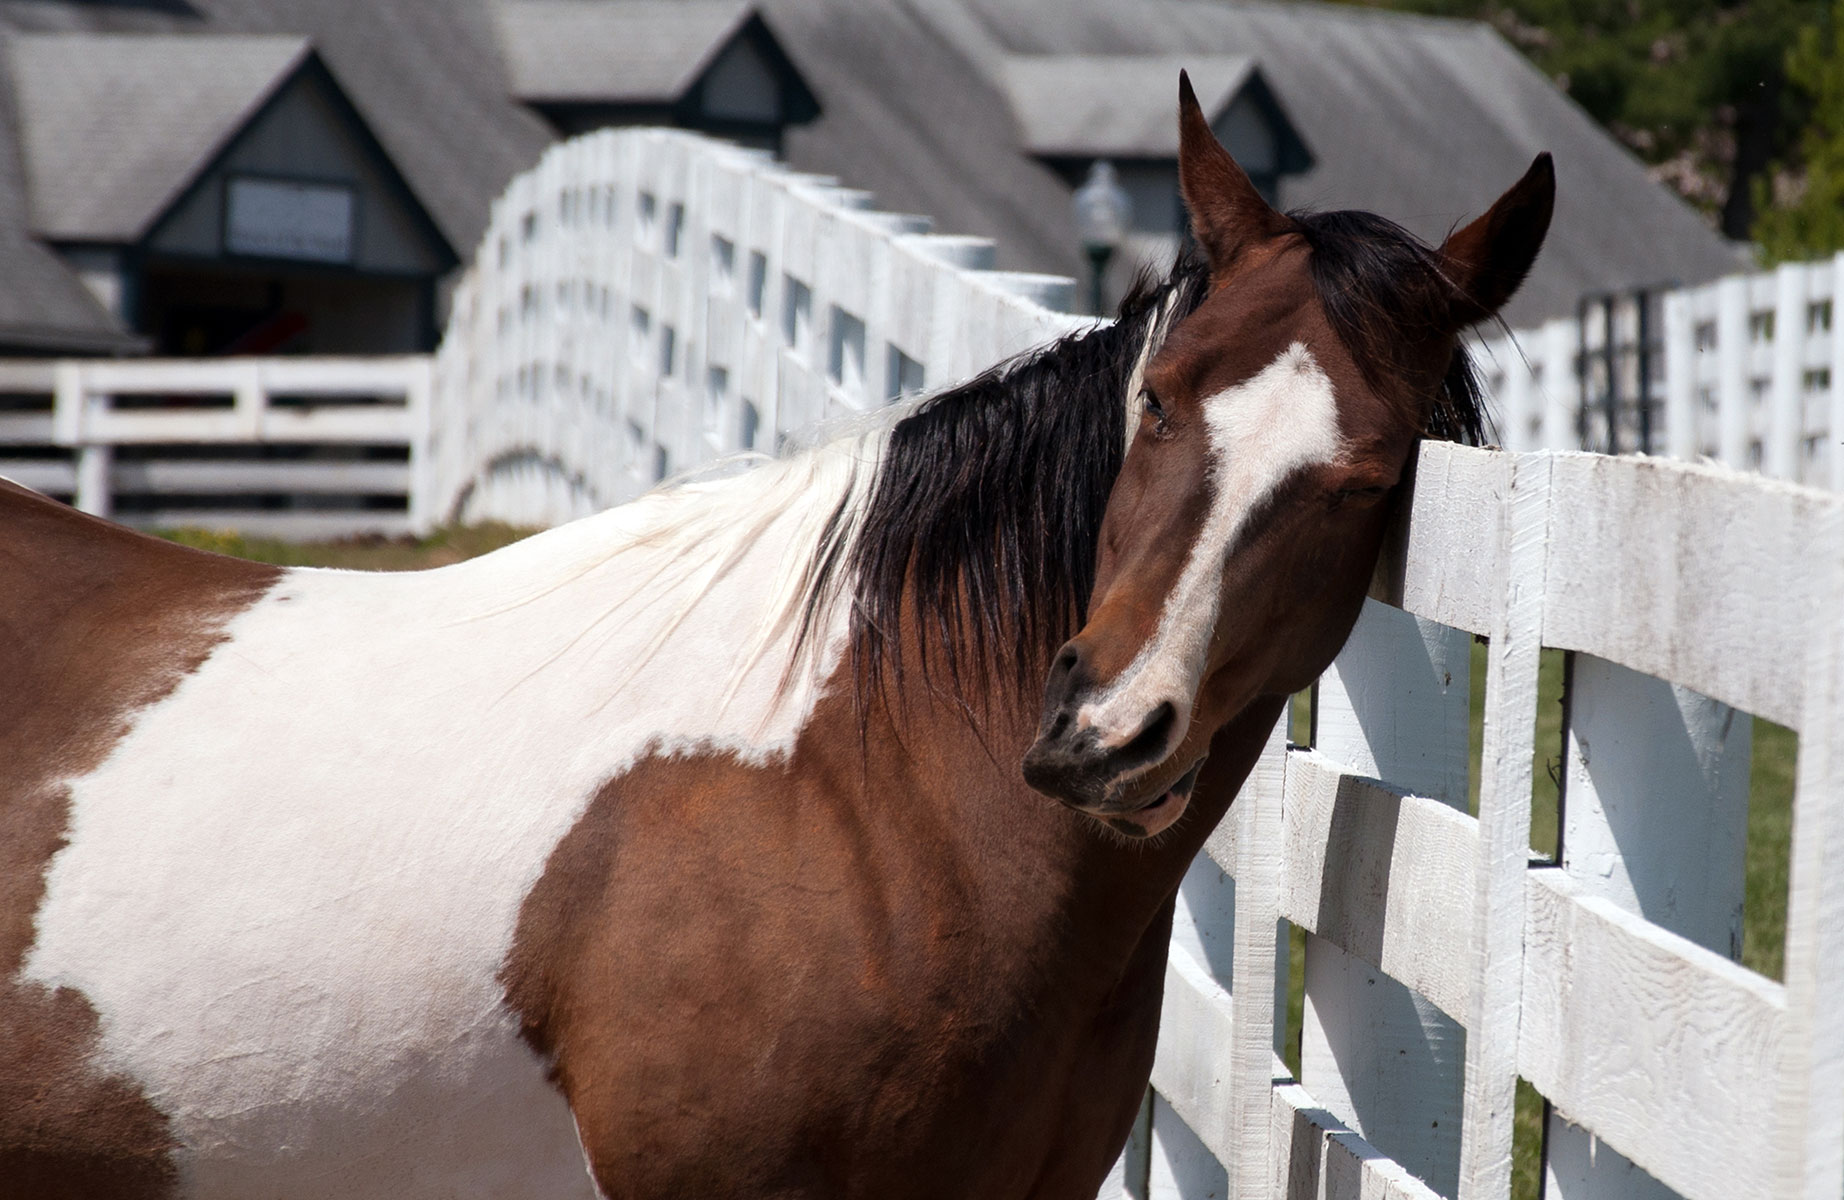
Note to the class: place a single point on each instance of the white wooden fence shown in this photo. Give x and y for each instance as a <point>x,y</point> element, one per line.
<point>1740,371</point>
<point>1446,960</point>
<point>646,300</point>
<point>205,433</point>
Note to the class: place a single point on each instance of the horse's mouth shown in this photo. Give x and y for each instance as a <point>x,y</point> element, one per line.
<point>1158,813</point>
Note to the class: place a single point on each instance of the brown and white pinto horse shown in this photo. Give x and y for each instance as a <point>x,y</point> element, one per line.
<point>683,850</point>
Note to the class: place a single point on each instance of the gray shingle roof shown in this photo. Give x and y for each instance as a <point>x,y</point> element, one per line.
<point>636,51</point>
<point>114,126</point>
<point>1422,119</point>
<point>1113,105</point>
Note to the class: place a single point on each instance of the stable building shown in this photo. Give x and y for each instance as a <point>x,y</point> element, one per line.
<point>220,194</point>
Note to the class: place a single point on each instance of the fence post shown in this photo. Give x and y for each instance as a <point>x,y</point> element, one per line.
<point>1562,395</point>
<point>72,425</point>
<point>1680,377</point>
<point>1834,429</point>
<point>1656,821</point>
<point>1732,346</point>
<point>1781,450</point>
<point>1394,707</point>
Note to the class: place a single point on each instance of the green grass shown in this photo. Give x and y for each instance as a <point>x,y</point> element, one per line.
<point>373,553</point>
<point>1770,794</point>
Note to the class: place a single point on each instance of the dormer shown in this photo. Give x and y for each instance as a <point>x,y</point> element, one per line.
<point>710,65</point>
<point>1073,109</point>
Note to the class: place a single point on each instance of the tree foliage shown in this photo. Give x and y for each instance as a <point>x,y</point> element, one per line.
<point>1697,88</point>
<point>1810,221</point>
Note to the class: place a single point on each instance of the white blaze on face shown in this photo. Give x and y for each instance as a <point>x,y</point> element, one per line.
<point>1261,431</point>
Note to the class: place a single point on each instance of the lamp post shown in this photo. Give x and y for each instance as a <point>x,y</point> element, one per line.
<point>1102,209</point>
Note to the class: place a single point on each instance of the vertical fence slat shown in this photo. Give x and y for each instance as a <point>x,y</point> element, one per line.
<point>1656,822</point>
<point>1812,1103</point>
<point>1781,449</point>
<point>1381,1058</point>
<point>1512,658</point>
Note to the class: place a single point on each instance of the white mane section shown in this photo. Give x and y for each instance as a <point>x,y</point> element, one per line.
<point>289,890</point>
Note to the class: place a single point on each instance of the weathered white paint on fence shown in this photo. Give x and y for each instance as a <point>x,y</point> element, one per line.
<point>70,407</point>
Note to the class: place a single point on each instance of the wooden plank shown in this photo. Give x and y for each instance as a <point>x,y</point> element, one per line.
<point>1438,560</point>
<point>180,476</point>
<point>1668,1052</point>
<point>1732,352</point>
<point>26,376</point>
<point>1316,1156</point>
<point>1523,538</point>
<point>1680,377</point>
<point>1260,977</point>
<point>48,475</point>
<point>1191,1069</point>
<point>1810,1113</point>
<point>295,526</point>
<point>1782,448</point>
<point>25,429</point>
<point>1385,876</point>
<point>1690,573</point>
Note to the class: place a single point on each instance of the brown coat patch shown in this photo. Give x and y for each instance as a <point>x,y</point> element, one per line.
<point>96,622</point>
<point>786,980</point>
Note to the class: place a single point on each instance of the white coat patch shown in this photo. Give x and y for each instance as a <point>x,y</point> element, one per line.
<point>289,890</point>
<point>1261,431</point>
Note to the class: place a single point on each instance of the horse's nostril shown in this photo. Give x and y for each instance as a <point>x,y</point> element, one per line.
<point>1148,745</point>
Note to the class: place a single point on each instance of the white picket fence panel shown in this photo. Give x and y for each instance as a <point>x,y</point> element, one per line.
<point>646,300</point>
<point>1742,371</point>
<point>64,421</point>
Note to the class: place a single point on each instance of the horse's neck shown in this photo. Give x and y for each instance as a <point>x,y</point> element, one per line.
<point>1078,899</point>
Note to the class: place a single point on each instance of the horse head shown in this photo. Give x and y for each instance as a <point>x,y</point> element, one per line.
<point>1275,425</point>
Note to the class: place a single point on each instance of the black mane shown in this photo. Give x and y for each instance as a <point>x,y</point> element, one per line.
<point>986,511</point>
<point>1383,290</point>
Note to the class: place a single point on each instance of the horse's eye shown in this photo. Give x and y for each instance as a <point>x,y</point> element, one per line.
<point>1368,495</point>
<point>1153,407</point>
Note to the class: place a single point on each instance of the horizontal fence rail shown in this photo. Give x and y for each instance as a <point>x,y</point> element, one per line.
<point>291,447</point>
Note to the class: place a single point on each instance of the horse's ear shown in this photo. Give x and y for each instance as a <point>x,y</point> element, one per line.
<point>1227,213</point>
<point>1487,260</point>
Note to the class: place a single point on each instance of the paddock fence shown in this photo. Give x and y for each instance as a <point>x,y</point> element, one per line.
<point>288,447</point>
<point>645,301</point>
<point>1740,371</point>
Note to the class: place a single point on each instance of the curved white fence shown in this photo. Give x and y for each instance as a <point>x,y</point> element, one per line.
<point>647,300</point>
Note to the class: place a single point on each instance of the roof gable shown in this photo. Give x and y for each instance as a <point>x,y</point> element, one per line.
<point>1114,105</point>
<point>631,51</point>
<point>115,126</point>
